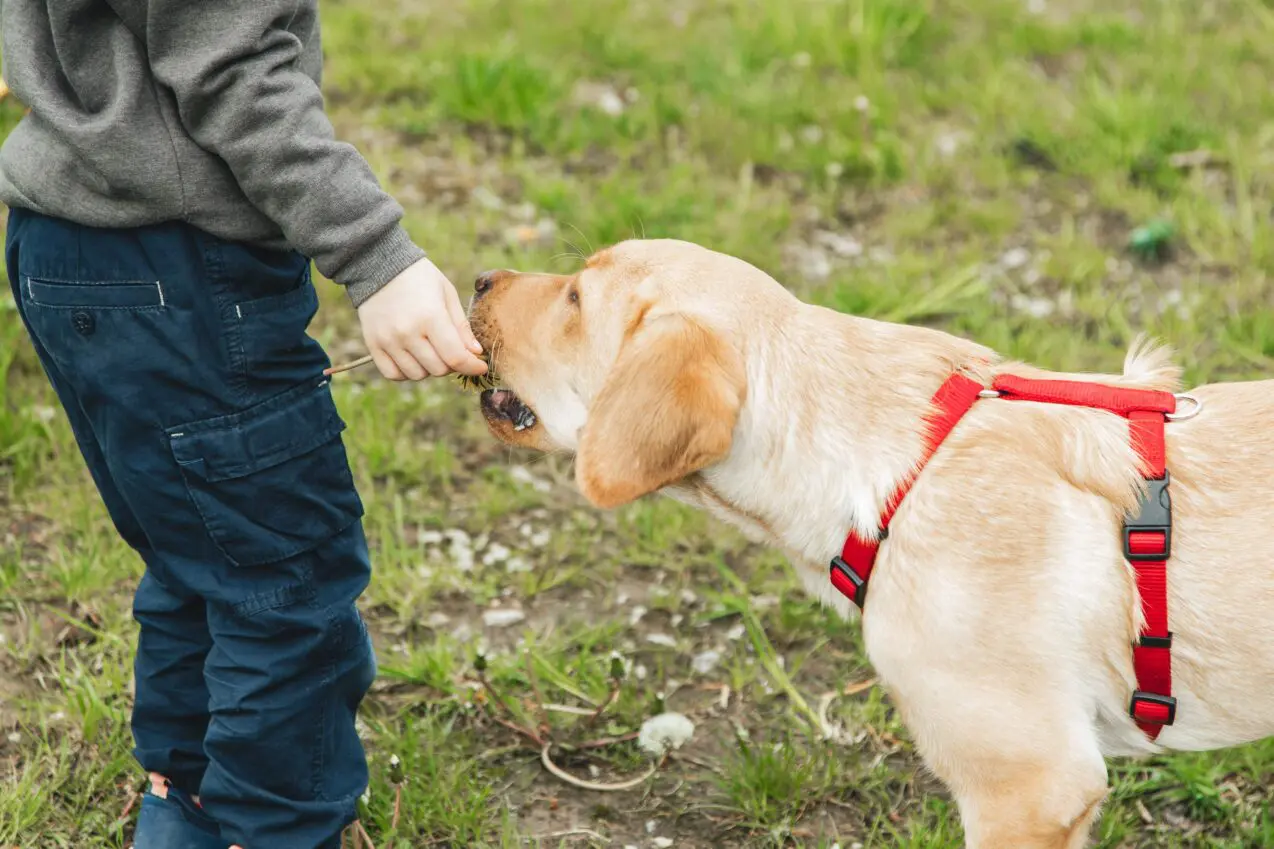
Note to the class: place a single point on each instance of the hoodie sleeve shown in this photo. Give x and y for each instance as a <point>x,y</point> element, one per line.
<point>235,67</point>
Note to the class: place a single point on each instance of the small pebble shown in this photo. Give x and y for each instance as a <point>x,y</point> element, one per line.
<point>705,662</point>
<point>502,617</point>
<point>495,553</point>
<point>1015,258</point>
<point>839,244</point>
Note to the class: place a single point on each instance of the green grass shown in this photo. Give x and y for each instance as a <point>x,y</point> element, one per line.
<point>979,166</point>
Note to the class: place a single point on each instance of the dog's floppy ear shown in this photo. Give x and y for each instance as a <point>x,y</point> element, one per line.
<point>667,409</point>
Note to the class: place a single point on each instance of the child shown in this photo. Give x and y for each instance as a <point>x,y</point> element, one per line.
<point>174,177</point>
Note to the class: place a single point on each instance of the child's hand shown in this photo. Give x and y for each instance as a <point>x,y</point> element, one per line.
<point>415,327</point>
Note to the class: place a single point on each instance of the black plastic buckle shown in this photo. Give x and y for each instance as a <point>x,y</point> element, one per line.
<point>1154,514</point>
<point>846,580</point>
<point>1148,642</point>
<point>1140,697</point>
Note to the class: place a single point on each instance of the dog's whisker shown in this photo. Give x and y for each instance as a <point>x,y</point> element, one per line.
<point>584,237</point>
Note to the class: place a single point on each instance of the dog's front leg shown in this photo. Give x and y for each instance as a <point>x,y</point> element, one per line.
<point>1014,740</point>
<point>1039,806</point>
<point>1026,773</point>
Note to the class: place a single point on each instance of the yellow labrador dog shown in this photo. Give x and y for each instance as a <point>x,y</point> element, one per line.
<point>1003,610</point>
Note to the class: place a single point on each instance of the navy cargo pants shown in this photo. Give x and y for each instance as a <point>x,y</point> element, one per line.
<point>197,398</point>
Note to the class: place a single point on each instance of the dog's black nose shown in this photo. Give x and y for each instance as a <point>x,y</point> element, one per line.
<point>484,282</point>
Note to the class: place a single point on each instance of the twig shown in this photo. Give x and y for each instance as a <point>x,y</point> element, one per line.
<point>858,687</point>
<point>363,835</point>
<point>830,730</point>
<point>525,732</point>
<point>337,369</point>
<point>593,785</point>
<point>495,694</point>
<point>398,807</point>
<point>574,832</point>
<point>499,700</point>
<point>610,700</point>
<point>571,709</point>
<point>132,791</point>
<point>497,751</point>
<point>603,742</point>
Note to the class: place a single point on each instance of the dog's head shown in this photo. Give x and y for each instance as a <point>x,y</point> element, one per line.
<point>635,363</point>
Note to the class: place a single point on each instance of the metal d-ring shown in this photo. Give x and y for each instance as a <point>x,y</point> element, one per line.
<point>1194,411</point>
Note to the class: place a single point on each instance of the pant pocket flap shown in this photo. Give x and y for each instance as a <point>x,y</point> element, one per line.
<point>272,432</point>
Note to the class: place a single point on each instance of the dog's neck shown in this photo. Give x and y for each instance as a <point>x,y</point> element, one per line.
<point>833,422</point>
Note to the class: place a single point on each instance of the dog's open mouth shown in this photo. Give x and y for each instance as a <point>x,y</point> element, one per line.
<point>504,404</point>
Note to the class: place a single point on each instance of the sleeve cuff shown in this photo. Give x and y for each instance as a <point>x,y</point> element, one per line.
<point>380,263</point>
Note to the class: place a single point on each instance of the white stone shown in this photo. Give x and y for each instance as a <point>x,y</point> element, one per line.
<point>1015,258</point>
<point>705,662</point>
<point>495,553</point>
<point>502,617</point>
<point>840,244</point>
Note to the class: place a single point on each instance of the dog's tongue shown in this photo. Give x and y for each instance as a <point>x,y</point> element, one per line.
<point>501,399</point>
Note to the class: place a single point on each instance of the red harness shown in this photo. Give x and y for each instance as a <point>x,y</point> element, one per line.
<point>1147,537</point>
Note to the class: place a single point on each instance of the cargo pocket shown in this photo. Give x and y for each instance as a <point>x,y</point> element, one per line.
<point>272,481</point>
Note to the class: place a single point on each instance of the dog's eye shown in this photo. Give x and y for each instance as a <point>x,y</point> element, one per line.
<point>572,295</point>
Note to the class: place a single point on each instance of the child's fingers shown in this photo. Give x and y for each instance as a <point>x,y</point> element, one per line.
<point>461,321</point>
<point>424,354</point>
<point>446,340</point>
<point>386,366</point>
<point>406,362</point>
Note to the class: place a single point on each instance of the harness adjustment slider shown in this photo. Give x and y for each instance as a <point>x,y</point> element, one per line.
<point>1154,518</point>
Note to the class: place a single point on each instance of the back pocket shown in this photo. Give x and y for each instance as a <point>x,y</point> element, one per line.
<point>272,481</point>
<point>94,295</point>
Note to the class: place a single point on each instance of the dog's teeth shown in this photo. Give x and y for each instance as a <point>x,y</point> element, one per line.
<point>525,419</point>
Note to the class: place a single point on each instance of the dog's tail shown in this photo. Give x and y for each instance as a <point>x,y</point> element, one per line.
<point>1149,365</point>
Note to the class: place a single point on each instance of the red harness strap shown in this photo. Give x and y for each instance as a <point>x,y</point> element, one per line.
<point>851,571</point>
<point>1147,537</point>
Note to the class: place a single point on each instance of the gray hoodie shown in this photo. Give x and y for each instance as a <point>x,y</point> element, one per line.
<point>203,111</point>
